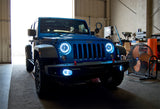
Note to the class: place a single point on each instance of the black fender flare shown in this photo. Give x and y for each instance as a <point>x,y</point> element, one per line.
<point>121,49</point>
<point>46,51</point>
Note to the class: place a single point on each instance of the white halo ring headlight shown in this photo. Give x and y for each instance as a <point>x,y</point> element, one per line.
<point>65,48</point>
<point>109,47</point>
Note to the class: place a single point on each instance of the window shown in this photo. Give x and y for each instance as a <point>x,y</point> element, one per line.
<point>63,26</point>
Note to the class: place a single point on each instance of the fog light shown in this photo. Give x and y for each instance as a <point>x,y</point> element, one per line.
<point>120,67</point>
<point>67,72</point>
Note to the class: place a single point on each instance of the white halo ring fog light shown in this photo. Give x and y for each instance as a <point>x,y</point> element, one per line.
<point>109,47</point>
<point>67,72</point>
<point>65,48</point>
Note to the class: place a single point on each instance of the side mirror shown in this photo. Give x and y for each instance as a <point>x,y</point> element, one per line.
<point>31,32</point>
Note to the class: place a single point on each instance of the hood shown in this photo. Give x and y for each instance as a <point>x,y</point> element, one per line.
<point>71,37</point>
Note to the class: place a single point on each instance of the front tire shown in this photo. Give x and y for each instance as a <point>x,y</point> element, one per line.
<point>29,66</point>
<point>28,53</point>
<point>122,50</point>
<point>40,79</point>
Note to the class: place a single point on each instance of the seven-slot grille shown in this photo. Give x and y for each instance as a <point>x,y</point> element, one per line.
<point>89,51</point>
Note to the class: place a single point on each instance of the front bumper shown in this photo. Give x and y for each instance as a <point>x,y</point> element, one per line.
<point>85,70</point>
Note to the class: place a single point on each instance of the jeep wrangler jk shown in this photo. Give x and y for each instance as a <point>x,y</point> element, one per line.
<point>64,51</point>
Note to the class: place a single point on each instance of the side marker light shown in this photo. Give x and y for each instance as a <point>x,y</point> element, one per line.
<point>120,67</point>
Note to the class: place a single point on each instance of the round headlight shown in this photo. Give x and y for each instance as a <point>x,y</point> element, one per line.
<point>109,47</point>
<point>65,48</point>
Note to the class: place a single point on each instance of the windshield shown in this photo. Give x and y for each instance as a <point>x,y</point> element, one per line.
<point>63,26</point>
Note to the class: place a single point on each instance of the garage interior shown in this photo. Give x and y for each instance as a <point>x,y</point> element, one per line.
<point>133,16</point>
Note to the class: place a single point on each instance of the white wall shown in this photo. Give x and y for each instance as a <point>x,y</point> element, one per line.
<point>156,16</point>
<point>93,8</point>
<point>128,15</point>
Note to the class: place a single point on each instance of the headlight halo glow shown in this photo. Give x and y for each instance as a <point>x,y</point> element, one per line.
<point>65,48</point>
<point>109,47</point>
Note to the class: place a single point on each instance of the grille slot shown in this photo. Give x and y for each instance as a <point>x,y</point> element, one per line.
<point>85,50</point>
<point>80,50</point>
<point>88,51</point>
<point>99,50</point>
<point>103,48</point>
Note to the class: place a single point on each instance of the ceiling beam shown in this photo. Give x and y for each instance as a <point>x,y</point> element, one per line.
<point>149,23</point>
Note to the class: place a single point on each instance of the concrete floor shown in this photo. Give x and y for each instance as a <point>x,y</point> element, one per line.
<point>5,78</point>
<point>131,93</point>
<point>148,90</point>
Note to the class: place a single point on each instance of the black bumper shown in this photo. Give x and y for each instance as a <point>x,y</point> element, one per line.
<point>86,70</point>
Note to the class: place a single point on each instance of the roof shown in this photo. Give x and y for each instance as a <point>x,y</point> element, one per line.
<point>59,18</point>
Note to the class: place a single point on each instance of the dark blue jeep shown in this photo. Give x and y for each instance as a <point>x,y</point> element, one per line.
<point>64,51</point>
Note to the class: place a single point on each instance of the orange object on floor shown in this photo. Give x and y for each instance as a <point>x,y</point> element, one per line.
<point>152,43</point>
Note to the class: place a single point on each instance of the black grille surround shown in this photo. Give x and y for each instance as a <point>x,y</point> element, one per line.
<point>86,51</point>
